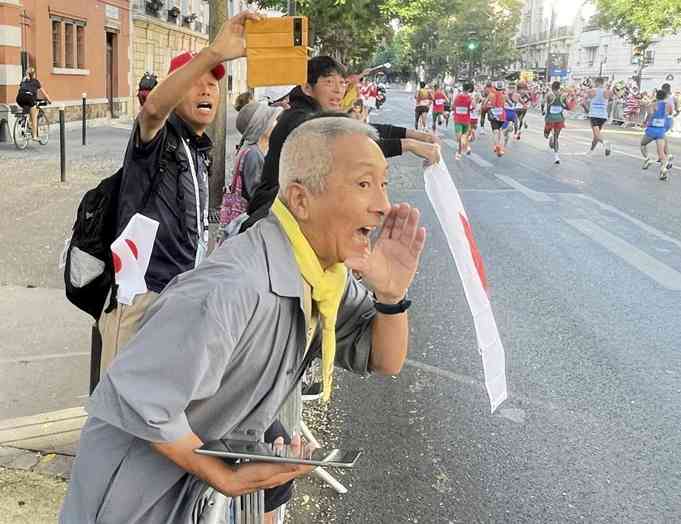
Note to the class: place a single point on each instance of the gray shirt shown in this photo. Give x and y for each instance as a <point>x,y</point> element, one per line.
<point>216,354</point>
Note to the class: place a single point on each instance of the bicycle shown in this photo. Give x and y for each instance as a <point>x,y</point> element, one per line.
<point>22,127</point>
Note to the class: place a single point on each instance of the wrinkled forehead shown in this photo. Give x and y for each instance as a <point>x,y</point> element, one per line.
<point>357,153</point>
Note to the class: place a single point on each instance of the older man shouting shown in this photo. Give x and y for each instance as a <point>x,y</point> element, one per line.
<point>224,345</point>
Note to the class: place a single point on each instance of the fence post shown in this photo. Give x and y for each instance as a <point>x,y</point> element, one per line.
<point>84,118</point>
<point>62,143</point>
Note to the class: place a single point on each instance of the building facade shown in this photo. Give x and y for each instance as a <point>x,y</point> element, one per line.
<point>545,39</point>
<point>75,46</point>
<point>598,53</point>
<point>161,30</point>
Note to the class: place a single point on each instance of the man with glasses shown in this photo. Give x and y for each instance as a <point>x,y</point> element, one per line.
<point>324,92</point>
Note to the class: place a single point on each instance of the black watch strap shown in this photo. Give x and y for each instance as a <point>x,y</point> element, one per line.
<point>392,309</point>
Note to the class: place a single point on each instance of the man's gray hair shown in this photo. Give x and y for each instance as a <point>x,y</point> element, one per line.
<point>307,158</point>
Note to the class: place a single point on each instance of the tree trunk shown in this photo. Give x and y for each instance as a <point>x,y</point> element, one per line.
<point>217,131</point>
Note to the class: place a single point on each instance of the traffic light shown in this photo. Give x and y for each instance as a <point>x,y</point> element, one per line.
<point>472,45</point>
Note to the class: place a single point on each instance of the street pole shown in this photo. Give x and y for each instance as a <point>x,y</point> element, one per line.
<point>217,131</point>
<point>292,7</point>
<point>62,144</point>
<point>84,119</point>
<point>548,44</point>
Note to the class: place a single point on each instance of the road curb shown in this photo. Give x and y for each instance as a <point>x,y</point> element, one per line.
<point>54,432</point>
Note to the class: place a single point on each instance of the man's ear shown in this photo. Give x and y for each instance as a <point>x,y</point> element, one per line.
<point>307,89</point>
<point>298,201</point>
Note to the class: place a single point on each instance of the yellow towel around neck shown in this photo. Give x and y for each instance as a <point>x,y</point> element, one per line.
<point>327,286</point>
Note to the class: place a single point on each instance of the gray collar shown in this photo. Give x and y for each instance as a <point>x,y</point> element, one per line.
<point>285,278</point>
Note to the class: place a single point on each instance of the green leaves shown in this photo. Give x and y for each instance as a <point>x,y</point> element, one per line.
<point>639,21</point>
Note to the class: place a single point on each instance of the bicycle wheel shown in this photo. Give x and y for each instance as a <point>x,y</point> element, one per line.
<point>43,128</point>
<point>21,137</point>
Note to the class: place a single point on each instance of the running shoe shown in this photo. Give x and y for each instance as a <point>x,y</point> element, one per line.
<point>608,149</point>
<point>525,124</point>
<point>663,173</point>
<point>501,151</point>
<point>670,162</point>
<point>468,150</point>
<point>457,156</point>
<point>556,159</point>
<point>481,131</point>
<point>646,163</point>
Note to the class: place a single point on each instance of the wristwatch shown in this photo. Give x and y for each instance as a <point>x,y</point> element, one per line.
<point>392,309</point>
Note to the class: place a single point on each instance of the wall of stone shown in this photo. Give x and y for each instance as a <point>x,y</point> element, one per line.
<point>155,43</point>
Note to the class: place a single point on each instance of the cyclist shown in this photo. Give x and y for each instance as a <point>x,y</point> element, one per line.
<point>28,96</point>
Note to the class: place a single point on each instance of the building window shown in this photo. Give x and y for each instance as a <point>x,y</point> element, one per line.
<point>69,41</point>
<point>68,44</point>
<point>591,53</point>
<point>56,43</point>
<point>80,46</point>
<point>649,57</point>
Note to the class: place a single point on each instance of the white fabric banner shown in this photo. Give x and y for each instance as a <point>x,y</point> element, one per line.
<point>131,252</point>
<point>449,209</point>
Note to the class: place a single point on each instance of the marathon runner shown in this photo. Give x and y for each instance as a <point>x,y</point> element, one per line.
<point>524,104</point>
<point>484,108</point>
<point>598,114</point>
<point>439,99</point>
<point>463,103</point>
<point>510,108</point>
<point>495,102</point>
<point>556,102</point>
<point>656,131</point>
<point>475,115</point>
<point>423,100</point>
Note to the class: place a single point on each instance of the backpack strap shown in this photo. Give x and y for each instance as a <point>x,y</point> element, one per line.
<point>237,184</point>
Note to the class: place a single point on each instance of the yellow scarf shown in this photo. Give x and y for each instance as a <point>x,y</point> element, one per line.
<point>327,286</point>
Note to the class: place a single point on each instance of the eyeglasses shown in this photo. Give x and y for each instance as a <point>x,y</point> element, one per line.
<point>333,81</point>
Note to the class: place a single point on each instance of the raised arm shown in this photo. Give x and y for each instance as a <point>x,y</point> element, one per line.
<point>229,44</point>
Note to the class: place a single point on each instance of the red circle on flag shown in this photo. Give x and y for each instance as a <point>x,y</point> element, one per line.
<point>132,246</point>
<point>116,262</point>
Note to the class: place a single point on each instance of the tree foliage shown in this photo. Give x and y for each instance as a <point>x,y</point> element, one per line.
<point>465,37</point>
<point>639,21</point>
<point>431,33</point>
<point>348,30</point>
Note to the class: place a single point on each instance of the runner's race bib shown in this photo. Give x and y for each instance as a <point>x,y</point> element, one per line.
<point>658,122</point>
<point>496,112</point>
<point>556,110</point>
<point>461,110</point>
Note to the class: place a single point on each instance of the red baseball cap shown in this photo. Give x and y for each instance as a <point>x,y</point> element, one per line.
<point>185,57</point>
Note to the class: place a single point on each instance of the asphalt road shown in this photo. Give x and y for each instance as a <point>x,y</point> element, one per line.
<point>584,262</point>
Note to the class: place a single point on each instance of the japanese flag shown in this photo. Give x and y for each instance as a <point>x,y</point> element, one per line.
<point>131,252</point>
<point>449,209</point>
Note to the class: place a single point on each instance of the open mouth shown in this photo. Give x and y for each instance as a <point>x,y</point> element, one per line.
<point>364,234</point>
<point>204,107</point>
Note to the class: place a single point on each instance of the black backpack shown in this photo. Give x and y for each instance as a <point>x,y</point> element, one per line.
<point>89,270</point>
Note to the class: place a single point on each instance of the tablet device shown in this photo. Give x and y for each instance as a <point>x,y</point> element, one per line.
<point>247,451</point>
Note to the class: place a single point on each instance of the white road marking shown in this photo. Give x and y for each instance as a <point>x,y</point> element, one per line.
<point>536,196</point>
<point>479,161</point>
<point>37,358</point>
<point>645,227</point>
<point>661,273</point>
<point>449,142</point>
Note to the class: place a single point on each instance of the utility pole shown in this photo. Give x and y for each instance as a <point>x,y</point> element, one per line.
<point>217,131</point>
<point>292,7</point>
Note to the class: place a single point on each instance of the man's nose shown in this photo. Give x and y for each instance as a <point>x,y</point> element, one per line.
<point>381,204</point>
